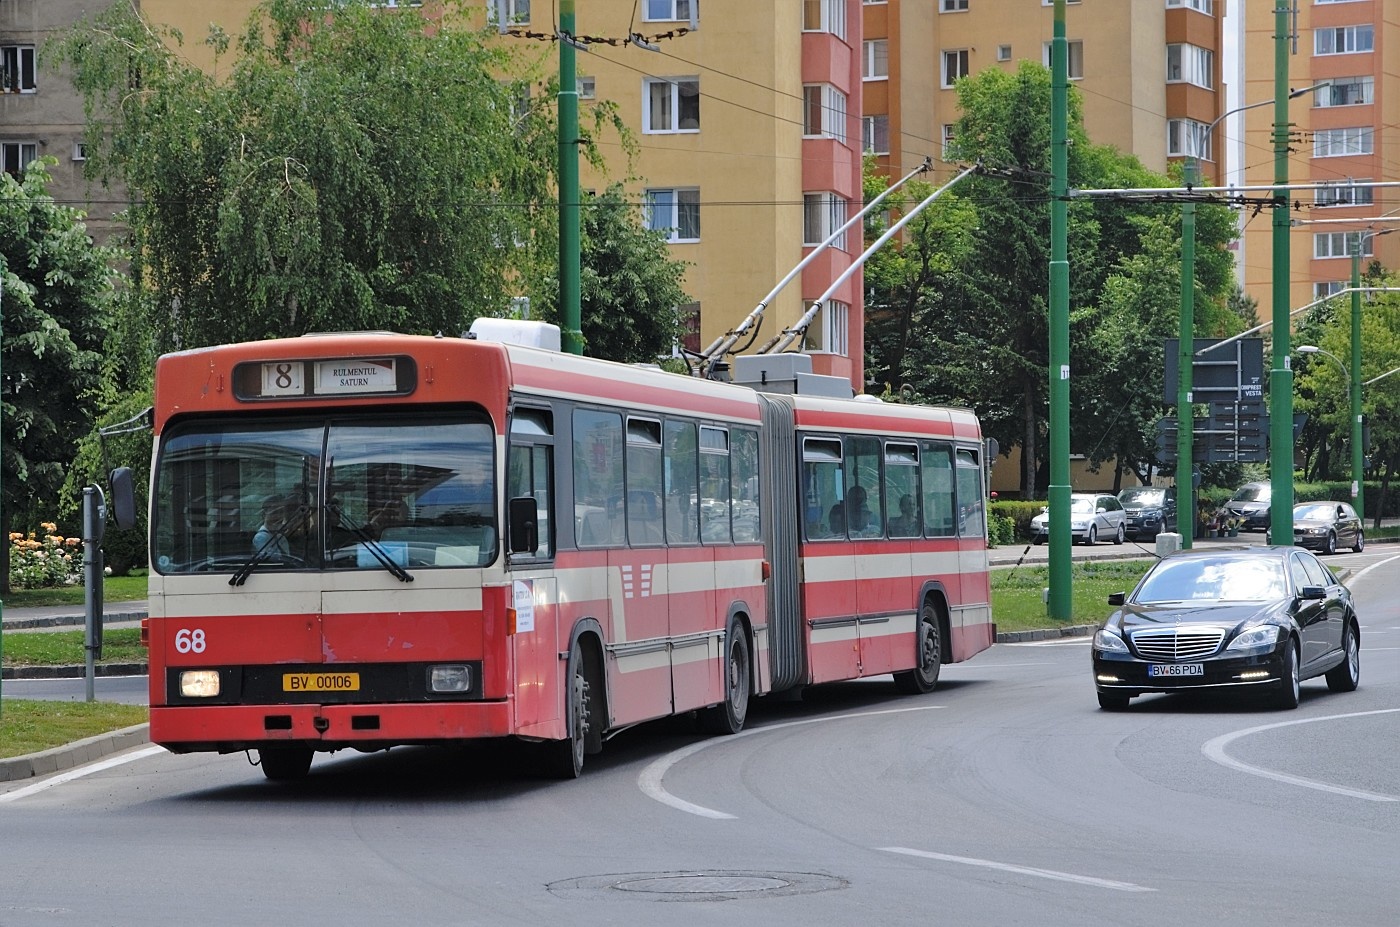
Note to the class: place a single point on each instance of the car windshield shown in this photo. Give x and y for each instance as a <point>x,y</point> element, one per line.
<point>1082,506</point>
<point>366,494</point>
<point>1323,511</point>
<point>1251,494</point>
<point>1142,496</point>
<point>1251,579</point>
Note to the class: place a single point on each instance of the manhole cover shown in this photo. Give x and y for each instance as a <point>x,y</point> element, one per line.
<point>718,885</point>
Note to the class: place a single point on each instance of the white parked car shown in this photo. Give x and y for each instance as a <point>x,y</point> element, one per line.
<point>1093,516</point>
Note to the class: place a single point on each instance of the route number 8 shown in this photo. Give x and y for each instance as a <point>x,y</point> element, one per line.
<point>187,641</point>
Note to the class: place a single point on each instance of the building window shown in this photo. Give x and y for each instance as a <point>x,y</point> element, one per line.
<point>671,105</point>
<point>1328,288</point>
<point>824,112</point>
<point>875,134</point>
<point>955,65</point>
<point>1346,91</point>
<point>510,12</point>
<point>17,69</point>
<point>1338,143</point>
<point>1075,48</point>
<point>949,133</point>
<point>674,211</point>
<point>587,88</point>
<point>824,16</point>
<point>1187,138</point>
<point>823,214</point>
<point>670,10</point>
<point>1343,193</point>
<point>952,6</point>
<point>1003,52</point>
<point>830,331</point>
<point>1191,64</point>
<point>688,316</point>
<point>1344,40</point>
<point>15,156</point>
<point>876,56</point>
<point>1200,6</point>
<point>79,151</point>
<point>1338,244</point>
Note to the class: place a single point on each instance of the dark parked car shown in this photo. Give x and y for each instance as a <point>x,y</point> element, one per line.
<point>1254,618</point>
<point>1151,510</point>
<point>1250,504</point>
<point>1325,526</point>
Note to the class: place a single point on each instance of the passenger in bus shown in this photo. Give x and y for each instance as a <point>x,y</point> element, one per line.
<point>852,515</point>
<point>906,523</point>
<point>272,533</point>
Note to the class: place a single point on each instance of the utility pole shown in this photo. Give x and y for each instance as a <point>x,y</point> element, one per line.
<point>1186,343</point>
<point>1358,458</point>
<point>1059,601</point>
<point>570,299</point>
<point>1281,376</point>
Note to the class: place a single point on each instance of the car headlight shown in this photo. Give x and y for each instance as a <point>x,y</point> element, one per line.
<point>1108,641</point>
<point>1262,637</point>
<point>1314,530</point>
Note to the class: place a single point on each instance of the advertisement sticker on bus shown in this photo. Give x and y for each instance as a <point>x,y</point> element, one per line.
<point>524,595</point>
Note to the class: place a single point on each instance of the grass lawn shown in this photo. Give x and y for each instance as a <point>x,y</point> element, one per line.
<point>1018,602</point>
<point>65,648</point>
<point>30,726</point>
<point>114,589</point>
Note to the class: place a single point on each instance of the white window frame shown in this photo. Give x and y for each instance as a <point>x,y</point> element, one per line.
<point>875,134</point>
<point>1186,138</point>
<point>824,16</point>
<point>509,12</point>
<point>670,10</point>
<point>1343,193</point>
<point>952,6</point>
<point>1003,52</point>
<point>587,87</point>
<point>1200,6</point>
<point>875,59</point>
<point>1192,65</point>
<point>1344,142</point>
<point>1338,245</point>
<point>963,59</point>
<point>828,105</point>
<point>675,96</point>
<point>1344,40</point>
<point>21,149</point>
<point>836,328</point>
<point>25,63</point>
<point>1362,89</point>
<point>663,212</point>
<point>822,214</point>
<point>1074,48</point>
<point>950,132</point>
<point>1325,288</point>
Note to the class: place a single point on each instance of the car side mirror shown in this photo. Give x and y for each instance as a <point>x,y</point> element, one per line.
<point>1312,593</point>
<point>1117,598</point>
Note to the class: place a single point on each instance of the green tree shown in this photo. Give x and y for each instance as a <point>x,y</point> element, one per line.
<point>356,169</point>
<point>56,293</point>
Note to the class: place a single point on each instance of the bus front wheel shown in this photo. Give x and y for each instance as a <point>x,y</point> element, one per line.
<point>928,655</point>
<point>563,759</point>
<point>284,763</point>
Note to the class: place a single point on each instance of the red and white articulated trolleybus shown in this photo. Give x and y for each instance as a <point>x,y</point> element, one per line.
<point>365,540</point>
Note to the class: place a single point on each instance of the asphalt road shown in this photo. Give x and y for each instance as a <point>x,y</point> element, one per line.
<point>1006,797</point>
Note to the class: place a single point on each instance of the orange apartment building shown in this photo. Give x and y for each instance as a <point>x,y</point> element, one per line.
<point>1343,134</point>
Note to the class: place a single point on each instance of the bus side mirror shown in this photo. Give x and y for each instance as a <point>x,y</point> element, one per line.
<point>524,525</point>
<point>123,498</point>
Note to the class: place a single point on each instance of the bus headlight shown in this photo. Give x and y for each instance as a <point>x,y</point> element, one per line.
<point>450,677</point>
<point>199,683</point>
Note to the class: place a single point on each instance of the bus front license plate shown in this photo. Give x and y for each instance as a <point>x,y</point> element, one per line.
<point>320,682</point>
<point>1176,669</point>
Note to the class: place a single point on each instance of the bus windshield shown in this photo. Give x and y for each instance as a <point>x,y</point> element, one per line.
<point>313,494</point>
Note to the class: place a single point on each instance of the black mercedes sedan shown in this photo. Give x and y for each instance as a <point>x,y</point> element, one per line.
<point>1254,618</point>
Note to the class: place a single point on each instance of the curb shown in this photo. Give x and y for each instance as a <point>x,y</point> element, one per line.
<point>77,671</point>
<point>77,753</point>
<point>67,621</point>
<point>1047,634</point>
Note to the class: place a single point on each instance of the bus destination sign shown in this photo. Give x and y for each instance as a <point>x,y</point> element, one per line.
<point>350,377</point>
<point>307,379</point>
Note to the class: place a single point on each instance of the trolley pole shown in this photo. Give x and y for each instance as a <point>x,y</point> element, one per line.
<point>1059,601</point>
<point>570,299</point>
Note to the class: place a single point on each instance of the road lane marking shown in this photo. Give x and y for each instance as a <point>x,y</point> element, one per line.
<point>649,779</point>
<point>80,772</point>
<point>1214,750</point>
<point>1379,563</point>
<point>1022,870</point>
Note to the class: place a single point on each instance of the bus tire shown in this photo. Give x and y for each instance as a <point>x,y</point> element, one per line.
<point>928,656</point>
<point>728,717</point>
<point>563,759</point>
<point>284,763</point>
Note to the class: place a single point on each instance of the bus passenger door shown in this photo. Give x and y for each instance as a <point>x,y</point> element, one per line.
<point>536,646</point>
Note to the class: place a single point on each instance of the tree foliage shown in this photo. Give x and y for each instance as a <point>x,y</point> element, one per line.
<point>56,293</point>
<point>960,312</point>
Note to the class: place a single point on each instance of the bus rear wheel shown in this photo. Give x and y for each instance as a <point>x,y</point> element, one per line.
<point>728,717</point>
<point>928,656</point>
<point>284,763</point>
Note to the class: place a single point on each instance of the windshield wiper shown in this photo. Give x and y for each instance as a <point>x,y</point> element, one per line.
<point>274,537</point>
<point>371,545</point>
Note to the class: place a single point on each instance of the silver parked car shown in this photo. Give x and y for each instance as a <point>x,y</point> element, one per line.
<point>1092,516</point>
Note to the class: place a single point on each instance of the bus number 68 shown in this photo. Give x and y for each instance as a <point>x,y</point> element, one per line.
<point>189,641</point>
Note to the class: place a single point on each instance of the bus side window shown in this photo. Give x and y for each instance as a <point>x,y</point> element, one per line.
<point>940,508</point>
<point>598,490</point>
<point>530,473</point>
